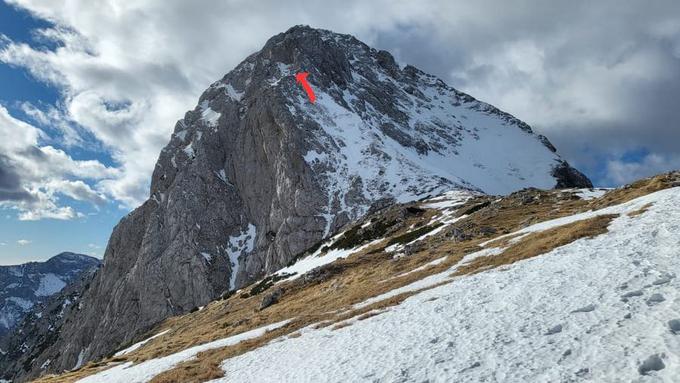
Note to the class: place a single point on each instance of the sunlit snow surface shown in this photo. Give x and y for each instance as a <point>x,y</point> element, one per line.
<point>210,116</point>
<point>494,326</point>
<point>145,371</point>
<point>469,147</point>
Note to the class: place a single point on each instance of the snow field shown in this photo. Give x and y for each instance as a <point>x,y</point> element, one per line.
<point>598,310</point>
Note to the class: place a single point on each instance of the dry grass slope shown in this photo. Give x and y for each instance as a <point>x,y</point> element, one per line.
<point>328,300</point>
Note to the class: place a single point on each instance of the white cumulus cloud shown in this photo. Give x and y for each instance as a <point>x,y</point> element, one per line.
<point>128,70</point>
<point>34,176</point>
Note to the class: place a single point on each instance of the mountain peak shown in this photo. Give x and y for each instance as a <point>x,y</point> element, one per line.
<point>256,174</point>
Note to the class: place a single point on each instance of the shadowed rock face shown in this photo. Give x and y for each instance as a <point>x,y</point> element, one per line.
<point>569,177</point>
<point>256,174</point>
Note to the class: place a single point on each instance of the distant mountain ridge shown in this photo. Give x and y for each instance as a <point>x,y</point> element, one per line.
<point>23,286</point>
<point>255,175</point>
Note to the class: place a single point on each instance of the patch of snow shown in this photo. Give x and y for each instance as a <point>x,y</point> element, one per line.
<point>147,370</point>
<point>316,260</point>
<point>208,115</point>
<point>312,156</point>
<point>238,246</point>
<point>470,156</point>
<point>140,344</point>
<point>49,284</point>
<point>233,93</point>
<point>449,199</point>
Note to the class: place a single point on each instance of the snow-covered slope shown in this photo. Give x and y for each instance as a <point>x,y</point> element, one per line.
<point>445,290</point>
<point>603,309</point>
<point>452,140</point>
<point>23,286</point>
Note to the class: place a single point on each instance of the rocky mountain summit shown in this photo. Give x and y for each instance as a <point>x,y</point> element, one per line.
<point>24,286</point>
<point>256,175</point>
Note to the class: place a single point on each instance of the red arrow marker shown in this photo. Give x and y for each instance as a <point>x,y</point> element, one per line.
<point>302,79</point>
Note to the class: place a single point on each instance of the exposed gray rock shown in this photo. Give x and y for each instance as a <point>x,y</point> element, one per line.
<point>256,174</point>
<point>663,279</point>
<point>414,248</point>
<point>554,330</point>
<point>487,231</point>
<point>625,297</point>
<point>470,367</point>
<point>321,273</point>
<point>457,234</point>
<point>566,176</point>
<point>271,298</point>
<point>583,372</point>
<point>674,326</point>
<point>654,299</point>
<point>652,363</point>
<point>585,309</point>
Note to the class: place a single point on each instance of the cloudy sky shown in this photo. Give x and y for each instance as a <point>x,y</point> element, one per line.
<point>90,90</point>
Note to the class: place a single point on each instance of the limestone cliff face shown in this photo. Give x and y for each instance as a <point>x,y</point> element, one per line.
<point>257,174</point>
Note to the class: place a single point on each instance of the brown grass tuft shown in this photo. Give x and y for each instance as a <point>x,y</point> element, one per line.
<point>640,210</point>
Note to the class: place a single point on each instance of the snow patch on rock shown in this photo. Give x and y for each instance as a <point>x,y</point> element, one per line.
<point>240,245</point>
